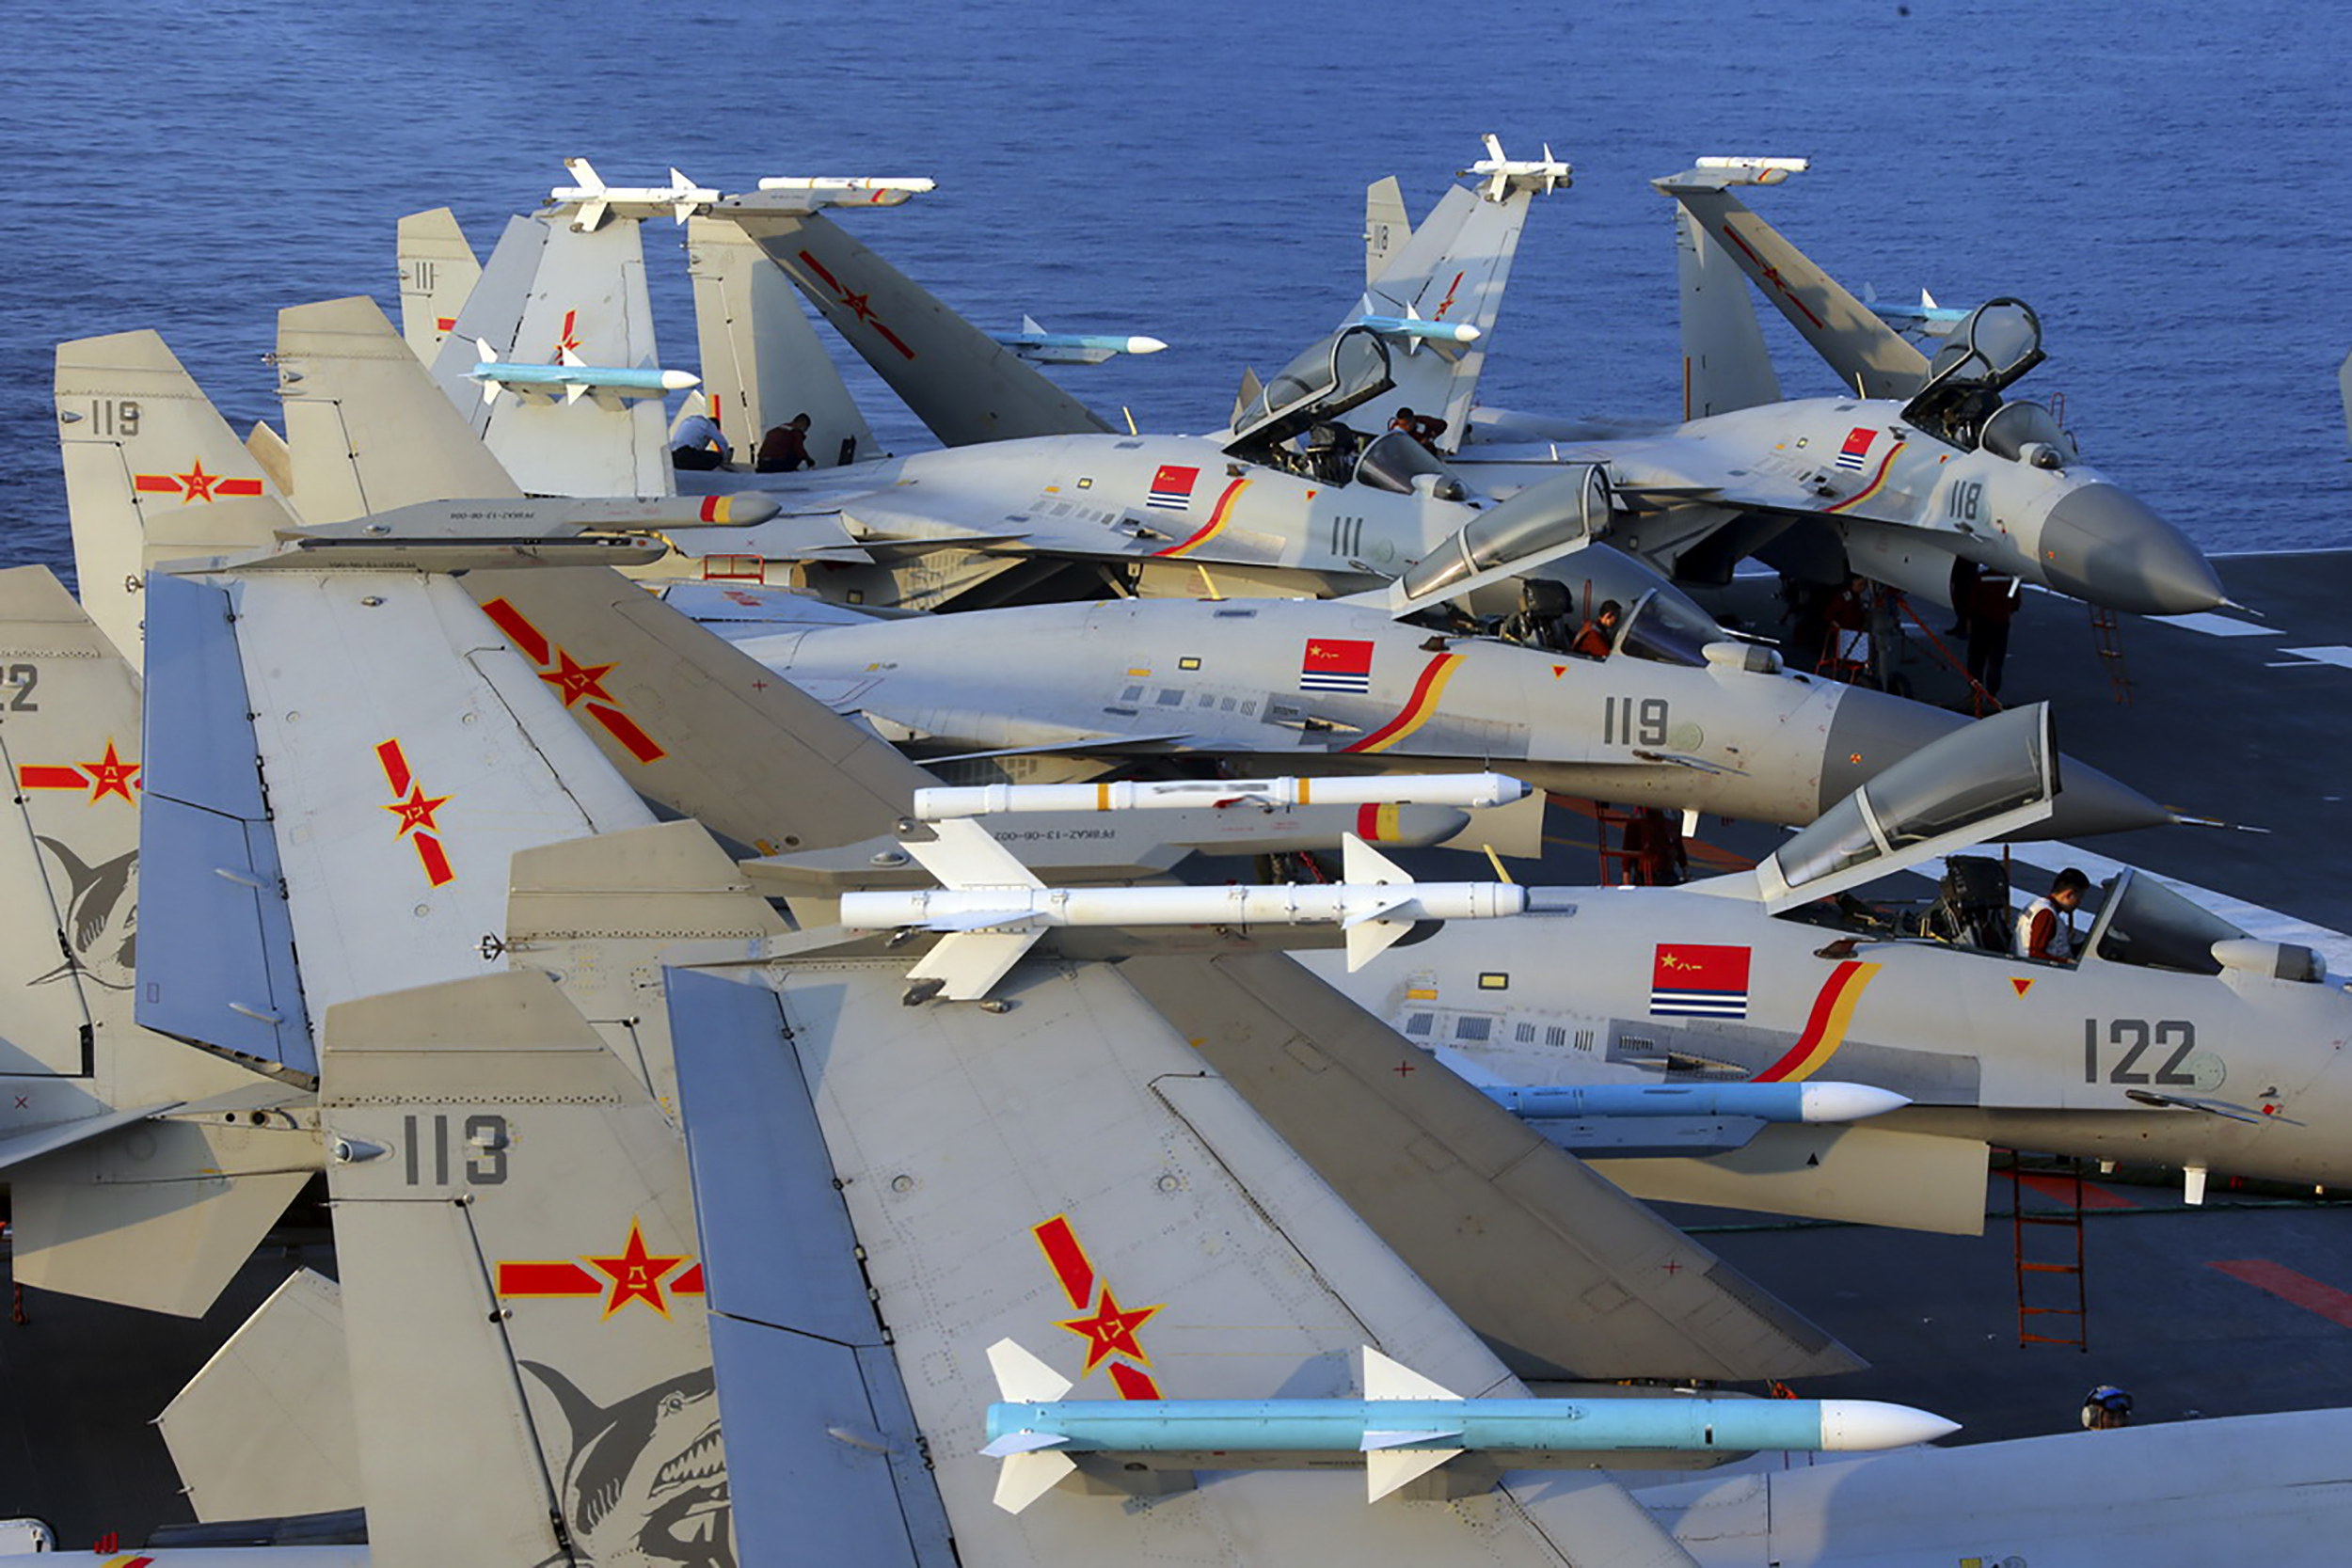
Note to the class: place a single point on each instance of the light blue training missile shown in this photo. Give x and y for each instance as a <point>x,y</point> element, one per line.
<point>1033,342</point>
<point>1406,1426</point>
<point>1415,326</point>
<point>1814,1101</point>
<point>575,378</point>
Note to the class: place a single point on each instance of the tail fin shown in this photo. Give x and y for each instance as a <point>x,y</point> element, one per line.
<point>1452,269</point>
<point>437,272</point>
<point>584,293</point>
<point>1866,355</point>
<point>1725,365</point>
<point>368,430</point>
<point>516,1239</point>
<point>121,1191</point>
<point>1386,226</point>
<point>762,362</point>
<point>962,384</point>
<point>151,473</point>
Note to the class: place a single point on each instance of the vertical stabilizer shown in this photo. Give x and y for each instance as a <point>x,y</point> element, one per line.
<point>1725,365</point>
<point>964,386</point>
<point>366,430</point>
<point>1870,358</point>
<point>762,361</point>
<point>1386,227</point>
<point>152,472</point>
<point>438,270</point>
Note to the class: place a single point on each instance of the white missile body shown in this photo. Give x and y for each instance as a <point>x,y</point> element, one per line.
<point>1473,791</point>
<point>596,201</point>
<point>833,190</point>
<point>992,911</point>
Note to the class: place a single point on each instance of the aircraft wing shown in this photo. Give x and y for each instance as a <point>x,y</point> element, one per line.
<point>962,385</point>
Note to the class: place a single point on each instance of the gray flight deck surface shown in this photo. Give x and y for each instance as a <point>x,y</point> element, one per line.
<point>2245,1305</point>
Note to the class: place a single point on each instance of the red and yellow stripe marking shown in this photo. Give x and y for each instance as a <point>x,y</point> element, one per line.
<point>1219,515</point>
<point>1067,1259</point>
<point>1419,708</point>
<point>1825,1031</point>
<point>1877,480</point>
<point>1376,824</point>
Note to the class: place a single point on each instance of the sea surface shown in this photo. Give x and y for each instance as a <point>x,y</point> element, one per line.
<point>2167,184</point>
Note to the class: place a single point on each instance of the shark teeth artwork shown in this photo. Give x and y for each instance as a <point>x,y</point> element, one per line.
<point>647,1482</point>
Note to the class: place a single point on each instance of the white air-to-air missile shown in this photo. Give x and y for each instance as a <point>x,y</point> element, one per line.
<point>992,909</point>
<point>1476,791</point>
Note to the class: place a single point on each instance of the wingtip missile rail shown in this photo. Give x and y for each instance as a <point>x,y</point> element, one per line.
<point>1404,1427</point>
<point>1473,791</point>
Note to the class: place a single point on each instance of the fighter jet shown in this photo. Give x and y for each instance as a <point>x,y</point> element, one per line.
<point>1925,465</point>
<point>1679,716</point>
<point>2168,1036</point>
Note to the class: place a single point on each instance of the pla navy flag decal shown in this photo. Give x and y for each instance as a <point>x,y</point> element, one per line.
<point>1857,449</point>
<point>1699,981</point>
<point>1335,664</point>
<point>1171,487</point>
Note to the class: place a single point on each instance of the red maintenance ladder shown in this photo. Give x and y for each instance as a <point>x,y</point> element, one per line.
<point>2059,1180</point>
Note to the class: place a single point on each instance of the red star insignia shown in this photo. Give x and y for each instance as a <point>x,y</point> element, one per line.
<point>197,482</point>
<point>1110,1331</point>
<point>416,813</point>
<point>636,1274</point>
<point>111,776</point>
<point>858,306</point>
<point>576,680</point>
<point>571,319</point>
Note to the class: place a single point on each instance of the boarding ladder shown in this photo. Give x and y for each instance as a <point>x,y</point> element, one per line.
<point>2059,1181</point>
<point>2107,635</point>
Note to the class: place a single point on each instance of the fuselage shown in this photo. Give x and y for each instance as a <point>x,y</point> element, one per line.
<point>2246,1069</point>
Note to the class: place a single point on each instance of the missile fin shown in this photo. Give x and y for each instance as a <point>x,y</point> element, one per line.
<point>591,217</point>
<point>1387,1469</point>
<point>584,171</point>
<point>1023,1442</point>
<point>1028,324</point>
<point>969,856</point>
<point>574,392</point>
<point>969,963</point>
<point>1366,939</point>
<point>1388,1379</point>
<point>1021,1377</point>
<point>1027,1477</point>
<point>1360,863</point>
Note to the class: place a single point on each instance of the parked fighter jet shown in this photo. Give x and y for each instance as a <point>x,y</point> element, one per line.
<point>1679,716</point>
<point>2169,1036</point>
<point>1927,463</point>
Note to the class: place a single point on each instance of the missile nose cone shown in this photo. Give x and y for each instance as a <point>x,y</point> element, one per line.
<point>1144,345</point>
<point>679,381</point>
<point>1466,333</point>
<point>1846,1101</point>
<point>1848,1425</point>
<point>2103,544</point>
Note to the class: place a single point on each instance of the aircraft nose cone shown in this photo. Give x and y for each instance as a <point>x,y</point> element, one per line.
<point>1871,731</point>
<point>2103,544</point>
<point>2090,801</point>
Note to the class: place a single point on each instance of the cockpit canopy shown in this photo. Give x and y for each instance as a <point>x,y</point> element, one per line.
<point>2027,432</point>
<point>1348,368</point>
<point>1961,782</point>
<point>1999,341</point>
<point>1542,519</point>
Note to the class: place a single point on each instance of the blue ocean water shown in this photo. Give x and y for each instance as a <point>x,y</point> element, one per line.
<point>2164,183</point>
